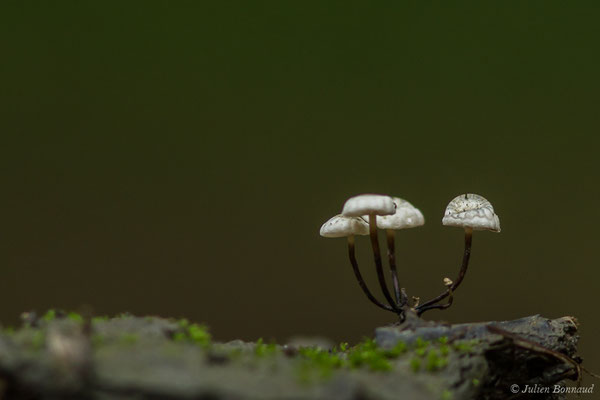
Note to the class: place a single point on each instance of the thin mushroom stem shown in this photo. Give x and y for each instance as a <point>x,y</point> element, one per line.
<point>359,278</point>
<point>391,251</point>
<point>448,284</point>
<point>403,296</point>
<point>428,305</point>
<point>378,264</point>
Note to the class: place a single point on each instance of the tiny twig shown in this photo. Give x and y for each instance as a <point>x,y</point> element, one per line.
<point>416,300</point>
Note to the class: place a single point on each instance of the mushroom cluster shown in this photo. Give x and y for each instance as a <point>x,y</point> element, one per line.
<point>366,213</point>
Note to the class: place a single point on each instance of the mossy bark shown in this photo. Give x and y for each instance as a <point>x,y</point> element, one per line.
<point>152,358</point>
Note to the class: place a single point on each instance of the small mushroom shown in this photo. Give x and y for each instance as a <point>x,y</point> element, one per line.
<point>448,283</point>
<point>369,204</point>
<point>341,226</point>
<point>470,212</point>
<point>406,216</point>
<point>374,205</point>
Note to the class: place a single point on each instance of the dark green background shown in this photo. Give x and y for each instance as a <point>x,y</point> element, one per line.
<point>178,158</point>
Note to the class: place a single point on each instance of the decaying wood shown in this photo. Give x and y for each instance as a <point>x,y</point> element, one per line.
<point>131,357</point>
<point>527,351</point>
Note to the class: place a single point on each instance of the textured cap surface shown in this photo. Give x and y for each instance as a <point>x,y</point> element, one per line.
<point>340,226</point>
<point>369,204</point>
<point>406,216</point>
<point>472,211</point>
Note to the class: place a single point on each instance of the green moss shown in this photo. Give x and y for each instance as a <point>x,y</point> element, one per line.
<point>183,323</point>
<point>422,344</point>
<point>342,347</point>
<point>446,395</point>
<point>421,351</point>
<point>199,334</point>
<point>38,339</point>
<point>235,354</point>
<point>379,364</point>
<point>317,363</point>
<point>49,316</point>
<point>370,355</point>
<point>100,318</point>
<point>321,357</point>
<point>179,337</point>
<point>399,349</point>
<point>462,347</point>
<point>435,361</point>
<point>465,346</point>
<point>475,382</point>
<point>73,316</point>
<point>262,349</point>
<point>129,338</point>
<point>431,357</point>
<point>444,350</point>
<point>415,364</point>
<point>194,333</point>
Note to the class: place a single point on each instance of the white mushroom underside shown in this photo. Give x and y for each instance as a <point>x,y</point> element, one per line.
<point>366,204</point>
<point>476,222</point>
<point>341,226</point>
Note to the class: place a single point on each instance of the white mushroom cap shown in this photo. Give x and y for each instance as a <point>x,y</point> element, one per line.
<point>406,216</point>
<point>340,226</point>
<point>369,204</point>
<point>471,211</point>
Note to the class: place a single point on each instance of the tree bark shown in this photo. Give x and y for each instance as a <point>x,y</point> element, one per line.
<point>152,358</point>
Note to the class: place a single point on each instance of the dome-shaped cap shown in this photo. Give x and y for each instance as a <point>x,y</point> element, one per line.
<point>369,204</point>
<point>341,226</point>
<point>406,216</point>
<point>471,211</point>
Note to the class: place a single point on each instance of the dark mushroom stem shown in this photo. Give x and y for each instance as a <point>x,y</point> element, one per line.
<point>404,296</point>
<point>431,304</point>
<point>391,250</point>
<point>379,265</point>
<point>448,303</point>
<point>359,278</point>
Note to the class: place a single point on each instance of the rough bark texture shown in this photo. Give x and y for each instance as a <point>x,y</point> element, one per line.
<point>499,361</point>
<point>152,358</point>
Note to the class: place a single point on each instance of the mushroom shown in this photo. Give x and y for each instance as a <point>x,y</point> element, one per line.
<point>448,283</point>
<point>341,226</point>
<point>374,205</point>
<point>406,216</point>
<point>471,212</point>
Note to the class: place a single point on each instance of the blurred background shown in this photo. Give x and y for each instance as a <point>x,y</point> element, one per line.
<point>178,158</point>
